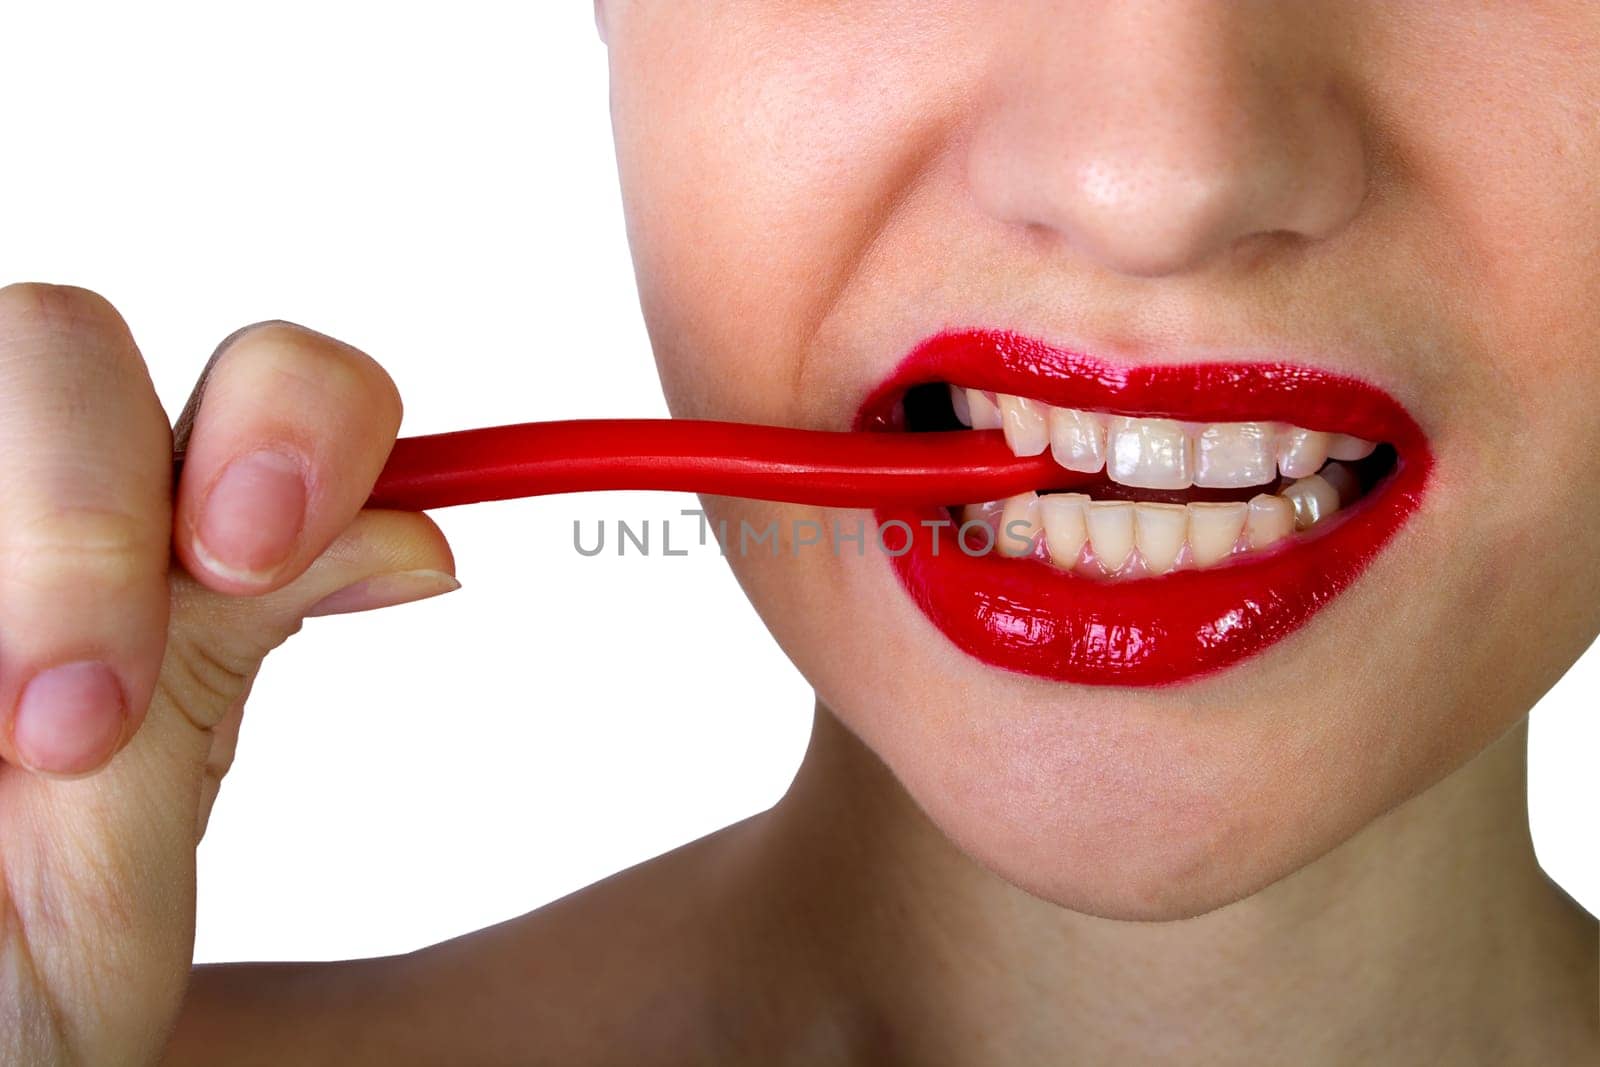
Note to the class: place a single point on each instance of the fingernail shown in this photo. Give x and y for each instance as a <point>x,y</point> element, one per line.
<point>385,591</point>
<point>250,522</point>
<point>69,718</point>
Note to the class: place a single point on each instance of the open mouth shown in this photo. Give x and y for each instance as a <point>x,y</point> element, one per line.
<point>1166,495</point>
<point>1210,509</point>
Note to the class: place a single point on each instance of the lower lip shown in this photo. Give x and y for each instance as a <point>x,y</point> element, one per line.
<point>1024,615</point>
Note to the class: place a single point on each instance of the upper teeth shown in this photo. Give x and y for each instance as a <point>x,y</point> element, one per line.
<point>1148,453</point>
<point>1157,453</point>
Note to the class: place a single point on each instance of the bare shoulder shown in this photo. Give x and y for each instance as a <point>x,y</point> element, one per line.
<point>676,960</point>
<point>632,967</point>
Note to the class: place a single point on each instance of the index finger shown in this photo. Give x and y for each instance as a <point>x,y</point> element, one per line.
<point>288,439</point>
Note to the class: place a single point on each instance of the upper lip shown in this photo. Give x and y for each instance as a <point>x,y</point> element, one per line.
<point>1267,388</point>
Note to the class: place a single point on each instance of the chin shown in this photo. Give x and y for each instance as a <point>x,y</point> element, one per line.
<point>1144,863</point>
<point>1127,822</point>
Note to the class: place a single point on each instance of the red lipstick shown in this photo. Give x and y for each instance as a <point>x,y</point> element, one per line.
<point>1024,615</point>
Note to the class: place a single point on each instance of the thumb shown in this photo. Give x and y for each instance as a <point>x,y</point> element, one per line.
<point>382,558</point>
<point>216,642</point>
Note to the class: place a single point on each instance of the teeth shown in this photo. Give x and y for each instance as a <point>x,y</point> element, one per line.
<point>1148,453</point>
<point>1160,530</point>
<point>1156,453</point>
<point>1232,455</point>
<point>1271,520</point>
<point>1343,480</point>
<point>982,410</point>
<point>1110,526</point>
<point>958,401</point>
<point>1024,423</point>
<point>1301,453</point>
<point>1214,529</point>
<point>1159,454</point>
<point>1078,440</point>
<point>1313,500</point>
<point>978,513</point>
<point>1065,532</point>
<point>1019,524</point>
<point>1114,529</point>
<point>1343,446</point>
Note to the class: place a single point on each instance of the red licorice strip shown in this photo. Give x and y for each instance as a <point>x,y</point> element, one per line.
<point>858,469</point>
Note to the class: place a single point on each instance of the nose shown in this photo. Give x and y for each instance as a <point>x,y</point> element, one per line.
<point>1155,135</point>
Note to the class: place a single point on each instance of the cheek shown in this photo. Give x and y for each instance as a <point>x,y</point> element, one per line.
<point>758,162</point>
<point>1498,207</point>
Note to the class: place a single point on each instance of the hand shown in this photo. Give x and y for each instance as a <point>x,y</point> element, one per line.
<point>132,626</point>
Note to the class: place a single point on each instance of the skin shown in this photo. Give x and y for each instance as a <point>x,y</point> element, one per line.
<point>1319,856</point>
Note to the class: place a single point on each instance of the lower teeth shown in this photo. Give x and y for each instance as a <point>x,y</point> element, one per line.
<point>1135,538</point>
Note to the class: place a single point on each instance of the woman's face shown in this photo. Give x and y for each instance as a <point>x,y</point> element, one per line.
<point>1366,217</point>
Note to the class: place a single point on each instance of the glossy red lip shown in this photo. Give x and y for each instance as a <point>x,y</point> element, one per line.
<point>1023,615</point>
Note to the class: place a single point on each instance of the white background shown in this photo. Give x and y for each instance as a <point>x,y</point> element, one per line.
<point>435,185</point>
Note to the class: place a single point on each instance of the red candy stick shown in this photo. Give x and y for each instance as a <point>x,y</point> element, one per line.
<point>861,469</point>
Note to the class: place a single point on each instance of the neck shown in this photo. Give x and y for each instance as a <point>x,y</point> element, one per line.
<point>1432,935</point>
